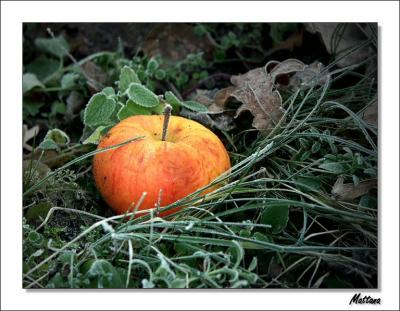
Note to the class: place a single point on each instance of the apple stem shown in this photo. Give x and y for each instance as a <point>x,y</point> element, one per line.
<point>167,115</point>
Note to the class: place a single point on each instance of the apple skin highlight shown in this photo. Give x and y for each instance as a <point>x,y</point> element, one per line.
<point>191,157</point>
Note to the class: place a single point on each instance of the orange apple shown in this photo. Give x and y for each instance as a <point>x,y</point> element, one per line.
<point>190,157</point>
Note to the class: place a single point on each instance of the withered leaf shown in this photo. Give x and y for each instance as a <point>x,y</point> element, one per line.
<point>75,102</point>
<point>95,75</point>
<point>208,99</point>
<point>255,89</point>
<point>258,90</point>
<point>371,114</point>
<point>349,192</point>
<point>216,117</point>
<point>53,159</point>
<point>222,96</point>
<point>285,67</point>
<point>350,36</point>
<point>310,76</point>
<point>41,169</point>
<point>296,73</point>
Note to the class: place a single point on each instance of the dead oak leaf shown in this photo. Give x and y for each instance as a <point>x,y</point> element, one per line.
<point>310,76</point>
<point>275,68</point>
<point>349,192</point>
<point>255,90</point>
<point>294,74</point>
<point>258,90</point>
<point>221,96</point>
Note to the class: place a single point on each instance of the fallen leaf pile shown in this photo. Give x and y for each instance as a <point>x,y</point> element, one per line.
<point>258,92</point>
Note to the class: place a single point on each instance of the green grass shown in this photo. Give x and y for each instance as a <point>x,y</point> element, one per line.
<point>273,224</point>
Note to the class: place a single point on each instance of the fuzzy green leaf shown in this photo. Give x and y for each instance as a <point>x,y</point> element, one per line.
<point>94,138</point>
<point>126,77</point>
<point>54,46</point>
<point>38,211</point>
<point>66,257</point>
<point>147,284</point>
<point>48,144</point>
<point>68,80</point>
<point>194,106</point>
<point>99,110</point>
<point>178,283</point>
<point>108,91</point>
<point>160,74</point>
<point>277,216</point>
<point>152,66</point>
<point>58,136</point>
<point>131,109</point>
<point>103,274</point>
<point>54,139</point>
<point>308,183</point>
<point>173,100</point>
<point>332,167</point>
<point>159,109</point>
<point>30,81</point>
<point>305,155</point>
<point>43,67</point>
<point>253,264</point>
<point>142,96</point>
<point>31,107</point>
<point>316,147</point>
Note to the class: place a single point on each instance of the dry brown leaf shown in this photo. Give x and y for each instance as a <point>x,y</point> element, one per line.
<point>28,134</point>
<point>39,167</point>
<point>370,114</point>
<point>349,192</point>
<point>258,90</point>
<point>75,103</point>
<point>310,76</point>
<point>351,36</point>
<point>216,117</point>
<point>304,75</point>
<point>255,90</point>
<point>53,159</point>
<point>275,68</point>
<point>207,98</point>
<point>221,97</point>
<point>96,76</point>
<point>173,42</point>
